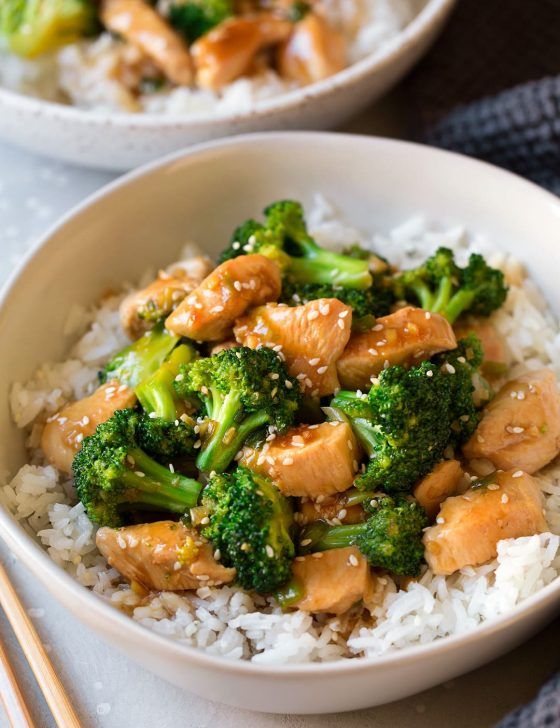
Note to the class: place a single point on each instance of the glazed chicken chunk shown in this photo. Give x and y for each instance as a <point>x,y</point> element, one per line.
<point>332,581</point>
<point>434,488</point>
<point>309,460</point>
<point>142,26</point>
<point>311,338</point>
<point>65,431</point>
<point>162,556</point>
<point>469,526</point>
<point>208,313</point>
<point>520,428</point>
<point>314,51</point>
<point>142,309</point>
<point>333,508</point>
<point>227,51</point>
<point>406,337</point>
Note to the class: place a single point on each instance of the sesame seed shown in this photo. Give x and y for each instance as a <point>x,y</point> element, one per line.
<point>308,382</point>
<point>461,359</point>
<point>236,245</point>
<point>179,377</point>
<point>352,560</point>
<point>217,309</point>
<point>152,415</point>
<point>340,323</point>
<point>312,315</point>
<point>176,566</point>
<point>343,314</point>
<point>517,430</point>
<point>245,546</point>
<point>288,384</point>
<point>355,464</point>
<point>324,309</point>
<point>373,352</point>
<point>121,542</point>
<point>428,315</point>
<point>439,519</point>
<point>79,437</point>
<point>479,438</point>
<point>505,498</point>
<point>378,327</point>
<point>203,577</point>
<point>237,285</point>
<point>381,342</point>
<point>269,551</point>
<point>429,373</point>
<point>322,370</point>
<point>171,468</point>
<point>305,542</point>
<point>517,474</point>
<point>342,513</point>
<point>274,392</point>
<point>350,444</point>
<point>197,444</point>
<point>318,555</point>
<point>288,461</point>
<point>493,486</point>
<point>139,473</point>
<point>300,558</point>
<point>450,368</point>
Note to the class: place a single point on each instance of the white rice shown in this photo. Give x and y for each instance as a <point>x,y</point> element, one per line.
<point>85,73</point>
<point>226,621</point>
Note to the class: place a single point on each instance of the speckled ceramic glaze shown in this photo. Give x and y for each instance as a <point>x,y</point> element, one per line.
<point>123,141</point>
<point>141,221</point>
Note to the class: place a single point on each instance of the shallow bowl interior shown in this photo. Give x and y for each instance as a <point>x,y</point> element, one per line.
<point>142,221</point>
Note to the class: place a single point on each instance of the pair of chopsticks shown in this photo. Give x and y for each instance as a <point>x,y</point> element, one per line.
<point>47,679</point>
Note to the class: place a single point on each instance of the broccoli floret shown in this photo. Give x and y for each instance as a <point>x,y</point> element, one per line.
<point>284,238</point>
<point>138,361</point>
<point>441,286</point>
<point>369,302</point>
<point>241,390</point>
<point>464,362</point>
<point>250,523</point>
<point>194,18</point>
<point>113,475</point>
<point>391,538</point>
<point>403,424</point>
<point>165,440</point>
<point>157,394</point>
<point>32,27</point>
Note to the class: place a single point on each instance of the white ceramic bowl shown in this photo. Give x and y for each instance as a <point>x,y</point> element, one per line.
<point>142,220</point>
<point>123,141</point>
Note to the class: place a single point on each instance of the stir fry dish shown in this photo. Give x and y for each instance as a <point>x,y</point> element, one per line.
<point>204,44</point>
<point>300,422</point>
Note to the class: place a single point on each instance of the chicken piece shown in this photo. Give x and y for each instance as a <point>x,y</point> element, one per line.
<point>141,309</point>
<point>520,428</point>
<point>311,338</point>
<point>208,313</point>
<point>142,26</point>
<point>314,51</point>
<point>496,354</point>
<point>333,508</point>
<point>405,337</point>
<point>64,432</point>
<point>309,460</point>
<point>469,526</point>
<point>162,556</point>
<point>332,581</point>
<point>228,51</point>
<point>442,482</point>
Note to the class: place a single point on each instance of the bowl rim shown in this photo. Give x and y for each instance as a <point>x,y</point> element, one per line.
<point>433,12</point>
<point>57,580</point>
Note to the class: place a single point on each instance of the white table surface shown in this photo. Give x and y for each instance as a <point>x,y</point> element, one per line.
<point>108,690</point>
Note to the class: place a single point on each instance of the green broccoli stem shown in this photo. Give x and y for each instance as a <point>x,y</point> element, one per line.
<point>319,536</point>
<point>459,303</point>
<point>156,393</point>
<point>227,437</point>
<point>364,430</point>
<point>160,401</point>
<point>155,485</point>
<point>289,594</point>
<point>424,295</point>
<point>443,294</point>
<point>325,267</point>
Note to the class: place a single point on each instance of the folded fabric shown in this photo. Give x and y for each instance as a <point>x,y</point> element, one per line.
<point>543,712</point>
<point>490,87</point>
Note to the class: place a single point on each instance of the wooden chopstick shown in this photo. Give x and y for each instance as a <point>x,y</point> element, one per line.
<point>13,701</point>
<point>30,642</point>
